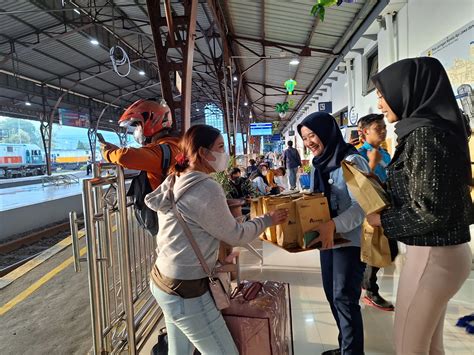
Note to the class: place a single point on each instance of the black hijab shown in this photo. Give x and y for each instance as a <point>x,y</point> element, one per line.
<point>419,92</point>
<point>335,148</point>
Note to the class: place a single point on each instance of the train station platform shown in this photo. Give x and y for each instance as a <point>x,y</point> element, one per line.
<point>44,306</point>
<point>25,208</point>
<point>32,180</point>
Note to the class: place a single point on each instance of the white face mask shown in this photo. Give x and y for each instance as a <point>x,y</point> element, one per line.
<point>138,135</point>
<point>220,164</point>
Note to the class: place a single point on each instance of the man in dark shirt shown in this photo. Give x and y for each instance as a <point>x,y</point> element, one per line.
<point>291,162</point>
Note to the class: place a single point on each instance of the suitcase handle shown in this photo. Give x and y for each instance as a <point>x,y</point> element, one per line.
<point>249,291</point>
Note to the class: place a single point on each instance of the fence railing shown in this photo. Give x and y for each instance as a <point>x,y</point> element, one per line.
<point>120,255</point>
<point>63,179</point>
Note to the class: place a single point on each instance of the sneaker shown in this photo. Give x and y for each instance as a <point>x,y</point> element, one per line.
<point>374,299</point>
<point>464,321</point>
<point>332,352</point>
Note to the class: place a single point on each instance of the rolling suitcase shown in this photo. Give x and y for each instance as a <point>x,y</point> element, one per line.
<point>259,318</point>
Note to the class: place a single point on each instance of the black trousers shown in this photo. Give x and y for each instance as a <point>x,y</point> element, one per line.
<point>342,273</point>
<point>370,275</point>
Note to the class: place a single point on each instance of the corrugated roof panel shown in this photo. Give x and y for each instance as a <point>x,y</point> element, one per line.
<point>246,17</point>
<point>336,23</point>
<point>133,12</point>
<point>48,64</point>
<point>201,16</point>
<point>71,58</point>
<point>26,70</point>
<point>20,24</point>
<point>81,43</point>
<point>286,22</point>
<point>101,84</point>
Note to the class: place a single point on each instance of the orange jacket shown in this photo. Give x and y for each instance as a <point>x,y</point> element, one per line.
<point>146,158</point>
<point>271,178</point>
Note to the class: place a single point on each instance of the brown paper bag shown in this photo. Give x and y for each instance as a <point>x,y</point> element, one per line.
<point>289,231</point>
<point>312,211</point>
<point>256,210</point>
<point>270,204</point>
<point>374,249</point>
<point>368,192</point>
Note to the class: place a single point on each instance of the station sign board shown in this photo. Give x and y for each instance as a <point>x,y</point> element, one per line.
<point>325,106</point>
<point>261,129</point>
<point>73,118</point>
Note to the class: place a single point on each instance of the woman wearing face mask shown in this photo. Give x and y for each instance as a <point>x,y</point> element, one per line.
<point>259,179</point>
<point>341,268</point>
<point>179,282</point>
<point>428,181</point>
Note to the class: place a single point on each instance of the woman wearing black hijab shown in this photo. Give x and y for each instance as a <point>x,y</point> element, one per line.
<point>428,181</point>
<point>341,268</point>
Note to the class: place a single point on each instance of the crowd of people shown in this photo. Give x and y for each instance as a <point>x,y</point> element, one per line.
<point>429,171</point>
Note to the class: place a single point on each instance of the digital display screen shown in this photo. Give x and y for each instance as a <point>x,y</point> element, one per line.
<point>261,129</point>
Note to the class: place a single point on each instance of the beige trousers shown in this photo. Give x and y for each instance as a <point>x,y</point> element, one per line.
<point>430,277</point>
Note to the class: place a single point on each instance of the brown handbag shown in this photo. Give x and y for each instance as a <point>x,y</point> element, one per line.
<point>216,287</point>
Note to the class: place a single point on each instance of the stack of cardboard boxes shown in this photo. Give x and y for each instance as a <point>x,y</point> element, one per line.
<point>306,211</point>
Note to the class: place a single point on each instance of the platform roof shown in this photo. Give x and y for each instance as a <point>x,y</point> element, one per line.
<point>46,51</point>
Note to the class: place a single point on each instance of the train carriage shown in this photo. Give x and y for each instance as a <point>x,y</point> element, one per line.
<point>21,160</point>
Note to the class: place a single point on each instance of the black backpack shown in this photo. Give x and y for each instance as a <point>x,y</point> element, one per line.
<point>140,187</point>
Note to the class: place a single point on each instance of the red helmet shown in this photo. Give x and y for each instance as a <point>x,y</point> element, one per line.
<point>152,115</point>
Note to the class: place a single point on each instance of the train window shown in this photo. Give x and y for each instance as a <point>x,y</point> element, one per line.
<point>10,149</point>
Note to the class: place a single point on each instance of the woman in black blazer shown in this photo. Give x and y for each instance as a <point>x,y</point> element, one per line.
<point>431,207</point>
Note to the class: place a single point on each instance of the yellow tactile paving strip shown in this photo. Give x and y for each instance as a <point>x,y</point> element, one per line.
<point>35,286</point>
<point>30,265</point>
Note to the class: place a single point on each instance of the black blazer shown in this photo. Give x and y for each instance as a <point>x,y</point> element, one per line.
<point>429,207</point>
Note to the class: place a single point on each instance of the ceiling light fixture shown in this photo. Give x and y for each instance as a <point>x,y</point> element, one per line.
<point>95,42</point>
<point>27,103</point>
<point>294,61</point>
<point>245,103</point>
<point>77,11</point>
<point>197,110</point>
<point>141,72</point>
<point>235,78</point>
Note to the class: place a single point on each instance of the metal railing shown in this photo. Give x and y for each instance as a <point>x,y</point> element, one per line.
<point>63,179</point>
<point>120,255</point>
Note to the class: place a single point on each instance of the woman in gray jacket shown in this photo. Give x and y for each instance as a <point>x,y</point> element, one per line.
<point>179,282</point>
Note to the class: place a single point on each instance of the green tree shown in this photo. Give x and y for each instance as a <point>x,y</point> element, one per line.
<point>81,145</point>
<point>19,137</point>
<point>15,126</point>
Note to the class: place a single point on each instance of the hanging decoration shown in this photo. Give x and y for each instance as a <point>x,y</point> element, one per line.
<point>290,86</point>
<point>319,9</point>
<point>282,109</point>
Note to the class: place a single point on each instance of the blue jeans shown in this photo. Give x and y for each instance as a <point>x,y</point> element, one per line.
<point>194,322</point>
<point>292,177</point>
<point>342,273</point>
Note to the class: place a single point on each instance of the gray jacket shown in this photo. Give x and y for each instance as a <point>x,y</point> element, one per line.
<point>202,202</point>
